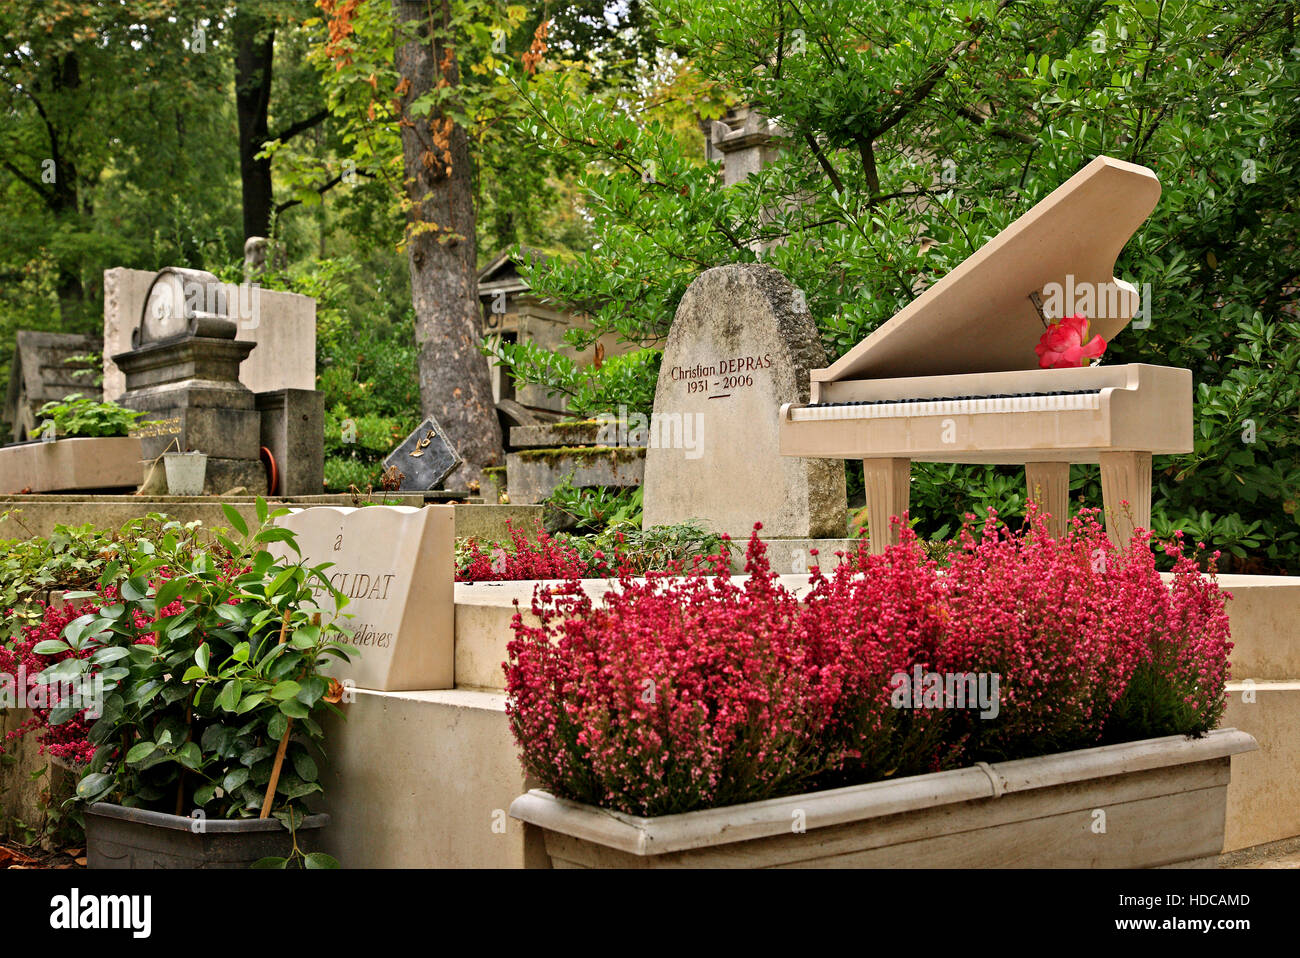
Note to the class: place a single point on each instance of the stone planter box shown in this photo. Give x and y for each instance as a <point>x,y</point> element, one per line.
<point>1160,802</point>
<point>68,464</point>
<point>120,837</point>
<point>532,475</point>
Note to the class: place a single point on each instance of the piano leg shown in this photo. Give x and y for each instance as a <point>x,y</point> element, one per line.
<point>1049,486</point>
<point>887,486</point>
<point>1126,478</point>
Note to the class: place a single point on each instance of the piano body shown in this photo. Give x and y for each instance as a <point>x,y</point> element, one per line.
<point>953,377</point>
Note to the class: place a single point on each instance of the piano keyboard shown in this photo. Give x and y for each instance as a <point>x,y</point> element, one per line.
<point>950,406</point>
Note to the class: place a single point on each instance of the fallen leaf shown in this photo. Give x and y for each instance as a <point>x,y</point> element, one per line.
<point>13,858</point>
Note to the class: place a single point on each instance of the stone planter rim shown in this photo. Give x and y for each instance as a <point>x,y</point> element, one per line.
<point>211,826</point>
<point>663,834</point>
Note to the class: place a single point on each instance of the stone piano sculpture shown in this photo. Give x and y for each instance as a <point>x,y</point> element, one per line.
<point>954,376</point>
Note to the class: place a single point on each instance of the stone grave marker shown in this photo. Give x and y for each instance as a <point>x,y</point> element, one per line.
<point>425,457</point>
<point>396,566</point>
<point>742,343</point>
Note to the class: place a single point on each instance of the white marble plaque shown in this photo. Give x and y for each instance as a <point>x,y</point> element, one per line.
<point>396,566</point>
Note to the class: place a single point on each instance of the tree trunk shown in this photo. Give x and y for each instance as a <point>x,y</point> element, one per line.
<point>455,382</point>
<point>254,52</point>
<point>62,200</point>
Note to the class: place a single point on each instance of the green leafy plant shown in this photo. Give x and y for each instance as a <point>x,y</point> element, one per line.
<point>210,658</point>
<point>78,415</point>
<point>655,549</point>
<point>87,366</point>
<point>626,381</point>
<point>71,557</point>
<point>592,509</point>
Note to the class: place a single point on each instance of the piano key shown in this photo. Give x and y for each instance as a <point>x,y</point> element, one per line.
<point>1002,403</point>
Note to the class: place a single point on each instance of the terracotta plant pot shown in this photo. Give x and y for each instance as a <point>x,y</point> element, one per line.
<point>1140,804</point>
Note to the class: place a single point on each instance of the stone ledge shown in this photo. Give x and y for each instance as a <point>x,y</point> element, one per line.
<point>1264,795</point>
<point>1265,616</point>
<point>423,780</point>
<point>38,515</point>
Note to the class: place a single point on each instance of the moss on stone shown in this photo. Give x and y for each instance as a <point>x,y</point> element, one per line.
<point>558,453</point>
<point>580,429</point>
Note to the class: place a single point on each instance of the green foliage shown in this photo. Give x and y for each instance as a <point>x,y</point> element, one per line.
<point>592,509</point>
<point>620,381</point>
<point>194,721</point>
<point>945,122</point>
<point>71,557</point>
<point>78,415</point>
<point>657,548</point>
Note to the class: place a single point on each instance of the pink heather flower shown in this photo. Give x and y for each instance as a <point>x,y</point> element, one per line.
<point>689,691</point>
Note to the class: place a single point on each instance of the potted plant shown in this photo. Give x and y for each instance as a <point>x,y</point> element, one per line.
<point>201,662</point>
<point>1038,702</point>
<point>82,444</point>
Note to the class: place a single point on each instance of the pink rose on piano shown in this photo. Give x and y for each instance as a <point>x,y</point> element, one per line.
<point>1063,345</point>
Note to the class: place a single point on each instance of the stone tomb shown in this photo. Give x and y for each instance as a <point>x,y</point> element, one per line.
<point>283,325</point>
<point>742,344</point>
<point>396,566</point>
<point>184,365</point>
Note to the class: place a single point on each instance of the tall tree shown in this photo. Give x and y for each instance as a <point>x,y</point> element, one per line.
<point>454,381</point>
<point>912,134</point>
<point>79,87</point>
<point>254,29</point>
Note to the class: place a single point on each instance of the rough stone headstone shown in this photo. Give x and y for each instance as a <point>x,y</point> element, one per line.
<point>396,566</point>
<point>424,459</point>
<point>46,367</point>
<point>742,343</point>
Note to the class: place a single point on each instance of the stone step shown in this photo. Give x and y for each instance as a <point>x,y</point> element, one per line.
<point>532,475</point>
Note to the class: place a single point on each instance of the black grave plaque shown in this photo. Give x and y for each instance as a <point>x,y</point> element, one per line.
<point>425,458</point>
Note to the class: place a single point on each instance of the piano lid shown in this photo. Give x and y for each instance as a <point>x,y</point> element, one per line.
<point>981,318</point>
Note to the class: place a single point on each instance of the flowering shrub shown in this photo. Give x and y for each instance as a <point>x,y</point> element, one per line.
<point>1183,663</point>
<point>22,665</point>
<point>543,558</point>
<point>1056,619</point>
<point>40,647</point>
<point>875,617</point>
<point>677,693</point>
<point>620,548</point>
<point>674,694</point>
<point>209,653</point>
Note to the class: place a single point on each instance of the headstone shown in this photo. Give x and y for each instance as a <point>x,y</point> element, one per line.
<point>255,248</point>
<point>741,345</point>
<point>396,566</point>
<point>184,365</point>
<point>46,367</point>
<point>424,459</point>
<point>282,324</point>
